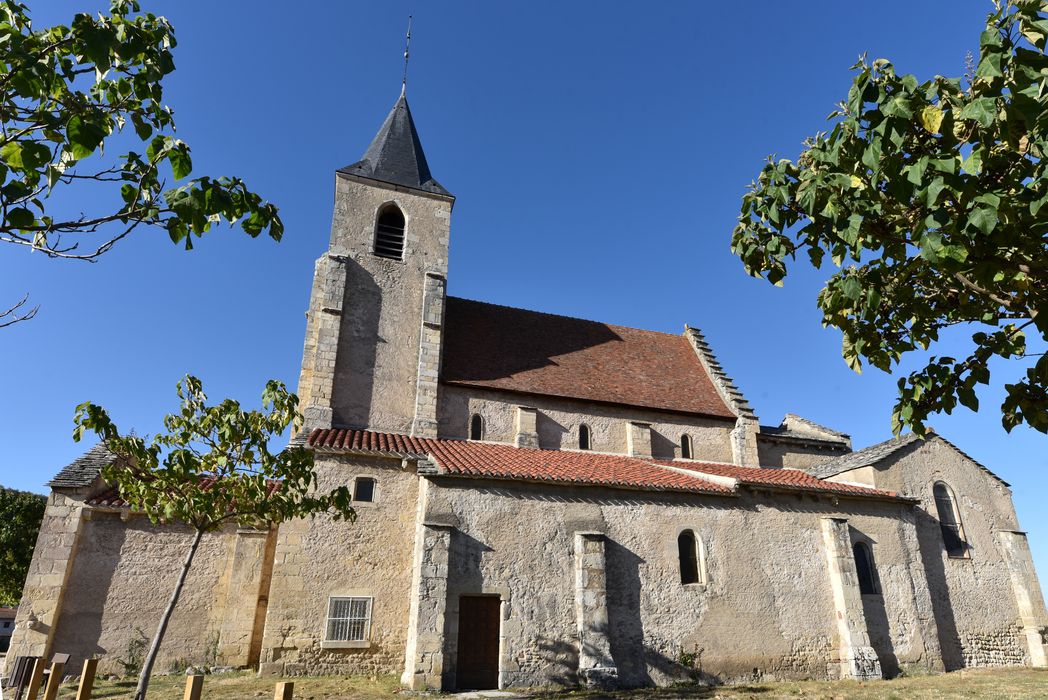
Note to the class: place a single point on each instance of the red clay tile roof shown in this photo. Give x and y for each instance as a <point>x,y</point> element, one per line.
<point>500,461</point>
<point>777,478</point>
<point>499,347</point>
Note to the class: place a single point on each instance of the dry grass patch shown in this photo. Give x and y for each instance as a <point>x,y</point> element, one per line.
<point>1007,684</point>
<point>246,686</point>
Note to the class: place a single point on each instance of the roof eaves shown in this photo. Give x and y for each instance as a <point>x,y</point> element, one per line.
<point>864,457</point>
<point>83,470</point>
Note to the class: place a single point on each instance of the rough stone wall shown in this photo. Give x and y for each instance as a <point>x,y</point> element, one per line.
<point>47,581</point>
<point>972,597</point>
<point>558,423</point>
<point>120,582</point>
<point>317,558</point>
<point>766,609</point>
<point>793,455</point>
<point>376,346</point>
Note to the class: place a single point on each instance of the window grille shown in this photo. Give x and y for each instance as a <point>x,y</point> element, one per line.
<point>389,234</point>
<point>349,619</point>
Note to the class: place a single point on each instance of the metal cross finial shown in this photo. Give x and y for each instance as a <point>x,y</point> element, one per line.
<point>407,55</point>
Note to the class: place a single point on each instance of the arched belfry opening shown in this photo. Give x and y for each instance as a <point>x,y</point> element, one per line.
<point>389,232</point>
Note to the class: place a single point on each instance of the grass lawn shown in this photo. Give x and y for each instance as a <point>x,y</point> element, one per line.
<point>975,683</point>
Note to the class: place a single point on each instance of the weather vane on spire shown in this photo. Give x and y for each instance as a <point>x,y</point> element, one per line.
<point>407,55</point>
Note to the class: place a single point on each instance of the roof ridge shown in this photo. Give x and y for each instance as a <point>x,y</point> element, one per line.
<point>565,316</point>
<point>813,424</point>
<point>469,458</point>
<point>725,385</point>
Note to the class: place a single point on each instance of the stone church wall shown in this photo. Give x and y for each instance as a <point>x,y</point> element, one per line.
<point>765,610</point>
<point>559,419</point>
<point>317,558</point>
<point>973,596</point>
<point>793,455</point>
<point>120,582</point>
<point>375,356</point>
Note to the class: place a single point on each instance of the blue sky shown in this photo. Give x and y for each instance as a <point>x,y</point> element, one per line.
<point>598,153</point>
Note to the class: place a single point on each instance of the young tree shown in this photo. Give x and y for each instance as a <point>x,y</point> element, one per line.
<point>210,467</point>
<point>20,517</point>
<point>929,199</point>
<point>65,92</point>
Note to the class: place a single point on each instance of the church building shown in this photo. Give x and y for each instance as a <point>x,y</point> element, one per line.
<point>544,501</point>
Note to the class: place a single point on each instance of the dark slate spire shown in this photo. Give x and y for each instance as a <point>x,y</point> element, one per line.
<point>395,155</point>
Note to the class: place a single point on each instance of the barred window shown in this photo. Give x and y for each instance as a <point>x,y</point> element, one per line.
<point>949,521</point>
<point>349,620</point>
<point>584,437</point>
<point>685,446</point>
<point>389,233</point>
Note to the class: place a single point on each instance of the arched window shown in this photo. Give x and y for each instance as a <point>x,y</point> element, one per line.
<point>476,427</point>
<point>584,437</point>
<point>692,558</point>
<point>685,446</point>
<point>949,520</point>
<point>864,567</point>
<point>389,233</point>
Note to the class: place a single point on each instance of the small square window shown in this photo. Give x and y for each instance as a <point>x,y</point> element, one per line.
<point>349,620</point>
<point>364,490</point>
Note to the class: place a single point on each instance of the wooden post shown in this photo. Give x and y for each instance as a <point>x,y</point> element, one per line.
<point>87,680</point>
<point>33,689</point>
<point>54,680</point>
<point>194,684</point>
<point>285,691</point>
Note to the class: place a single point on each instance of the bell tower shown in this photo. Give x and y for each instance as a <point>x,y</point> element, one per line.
<point>376,312</point>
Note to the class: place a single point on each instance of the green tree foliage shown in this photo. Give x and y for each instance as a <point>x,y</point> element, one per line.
<point>20,516</point>
<point>929,197</point>
<point>212,466</point>
<point>68,91</point>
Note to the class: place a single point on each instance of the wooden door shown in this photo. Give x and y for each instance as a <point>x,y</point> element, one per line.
<point>478,643</point>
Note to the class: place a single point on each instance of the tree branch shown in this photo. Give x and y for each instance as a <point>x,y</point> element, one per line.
<point>13,315</point>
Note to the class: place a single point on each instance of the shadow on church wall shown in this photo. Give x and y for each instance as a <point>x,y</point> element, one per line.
<point>465,554</point>
<point>929,544</point>
<point>358,347</point>
<point>79,626</point>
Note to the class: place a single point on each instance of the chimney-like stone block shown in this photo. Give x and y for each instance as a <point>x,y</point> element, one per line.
<point>527,427</point>
<point>638,439</point>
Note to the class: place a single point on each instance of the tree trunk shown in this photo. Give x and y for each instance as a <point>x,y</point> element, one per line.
<point>154,649</point>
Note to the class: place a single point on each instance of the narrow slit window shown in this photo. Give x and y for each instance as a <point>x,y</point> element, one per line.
<point>584,437</point>
<point>476,427</point>
<point>949,521</point>
<point>864,568</point>
<point>692,559</point>
<point>389,233</point>
<point>349,620</point>
<point>364,490</point>
<point>685,446</point>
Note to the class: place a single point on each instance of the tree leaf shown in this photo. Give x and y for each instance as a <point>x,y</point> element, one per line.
<point>982,109</point>
<point>931,119</point>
